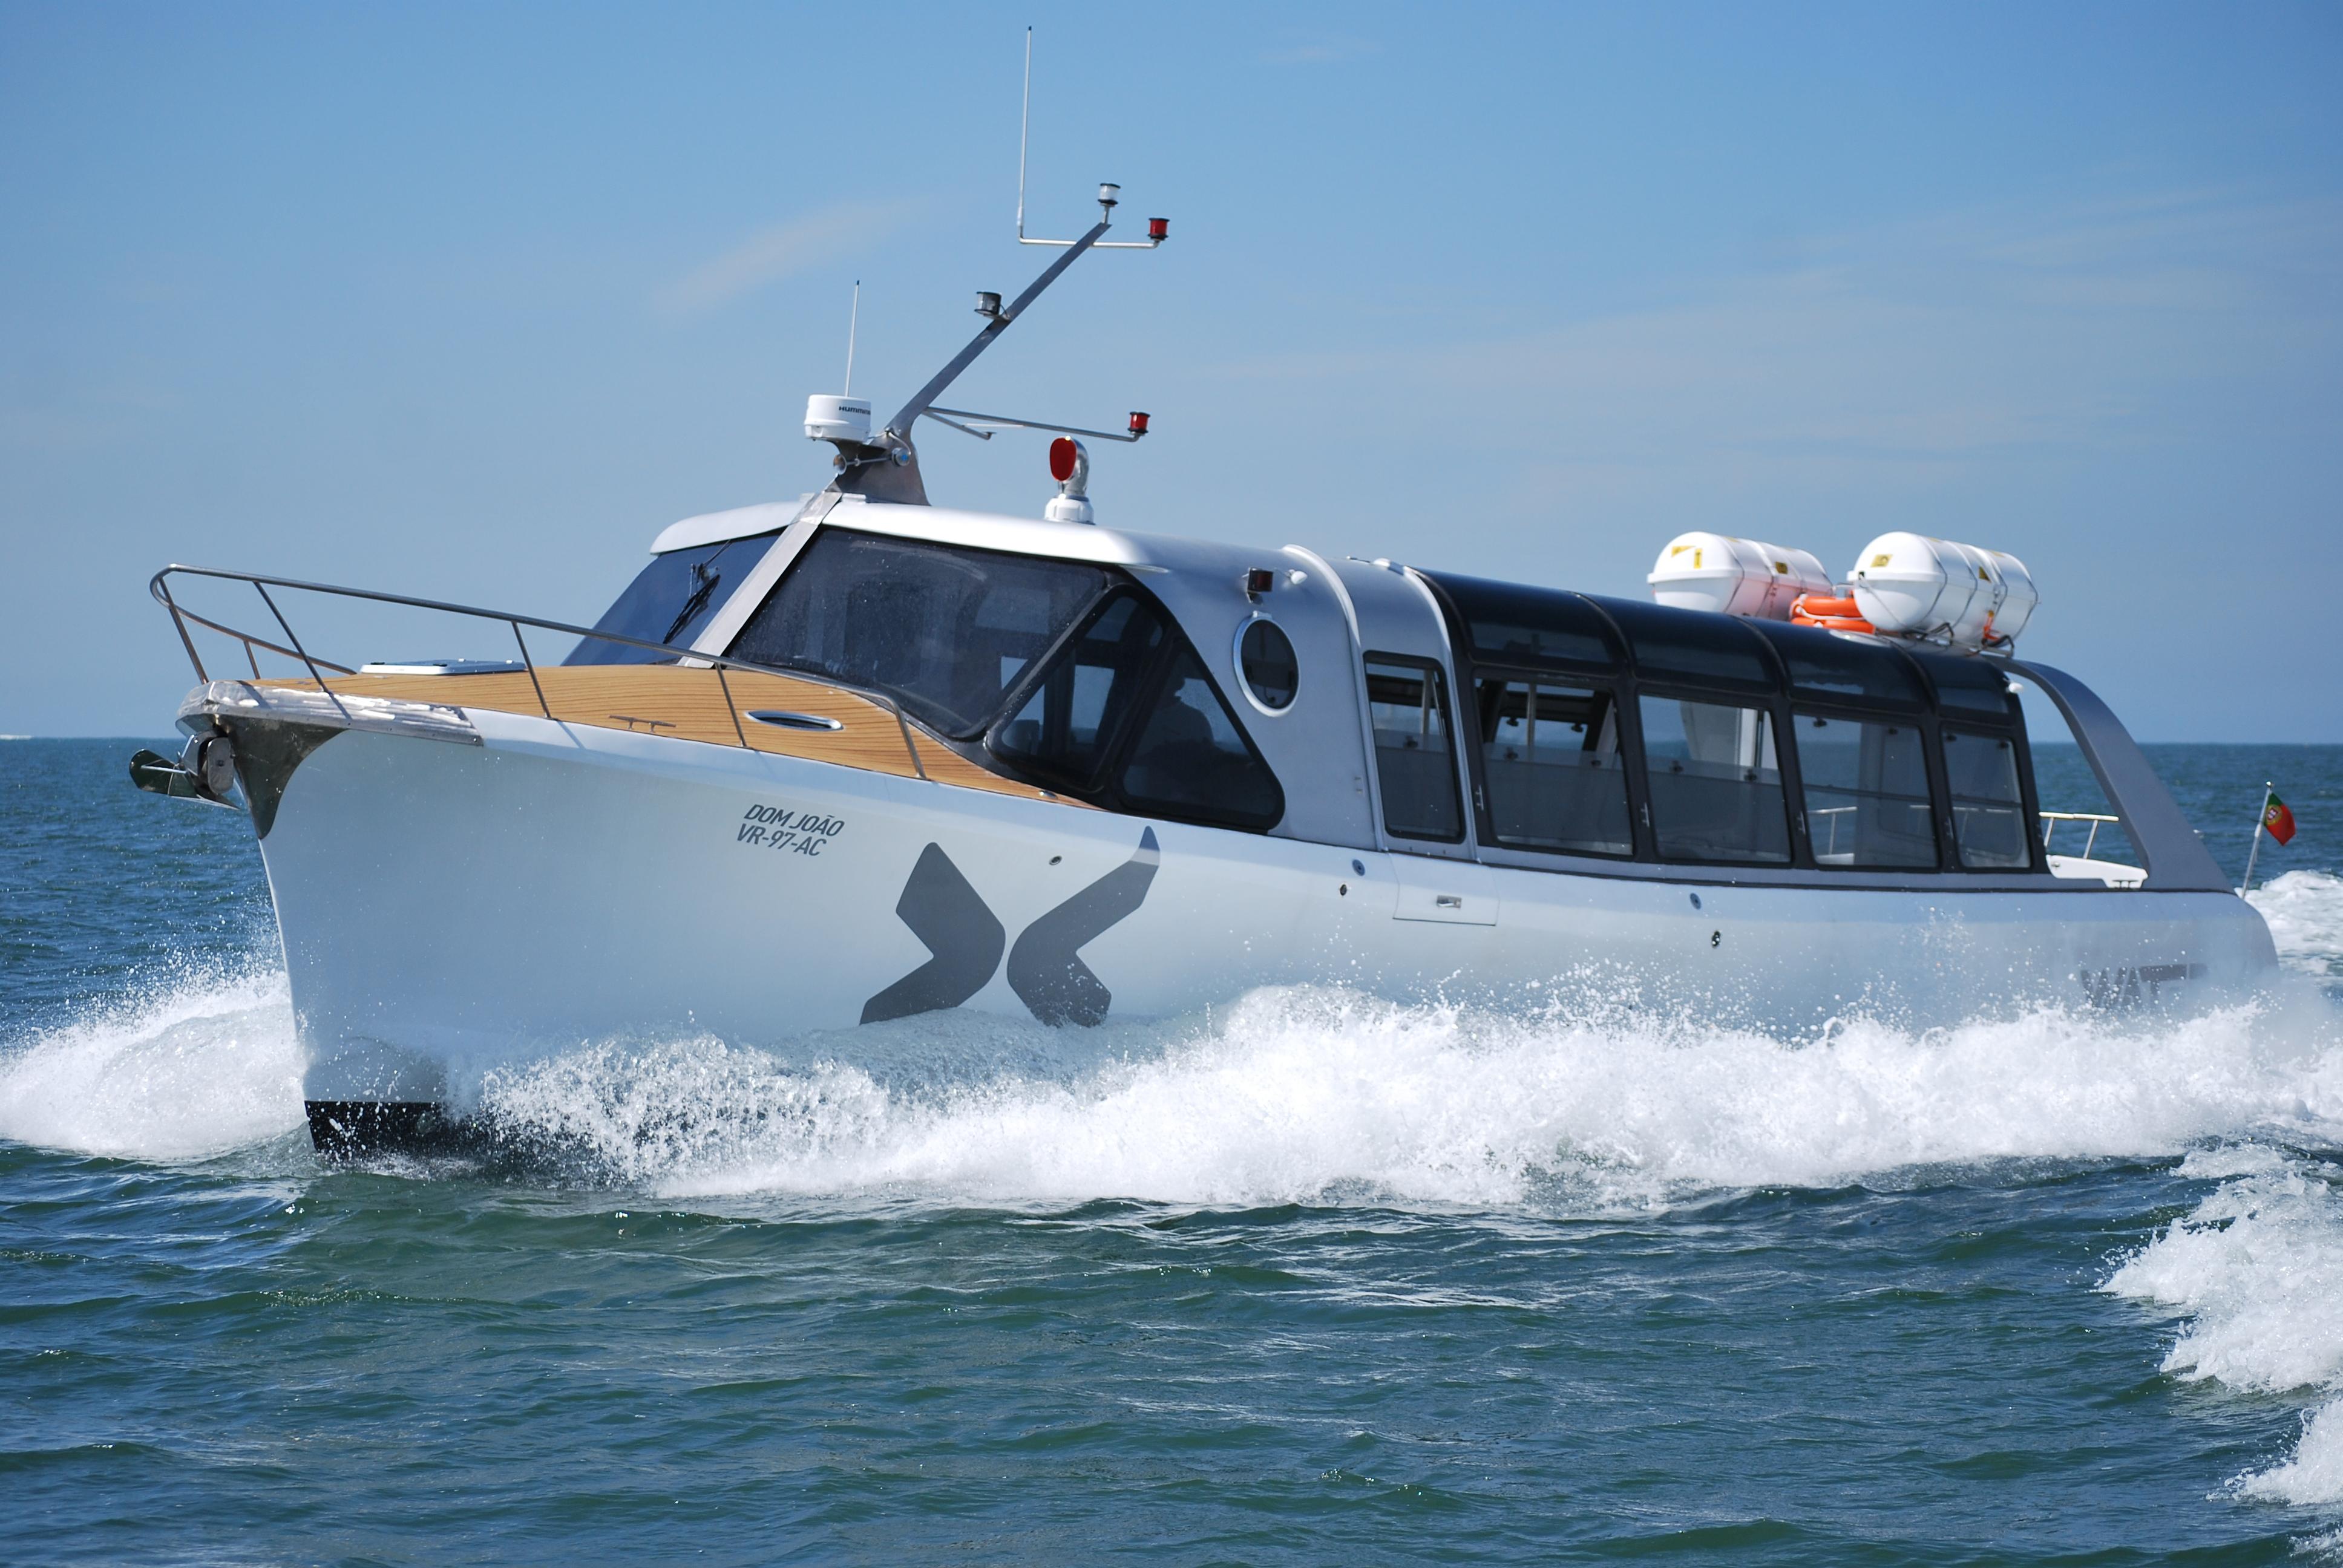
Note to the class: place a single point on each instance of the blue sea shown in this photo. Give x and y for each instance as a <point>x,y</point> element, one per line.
<point>1311,1279</point>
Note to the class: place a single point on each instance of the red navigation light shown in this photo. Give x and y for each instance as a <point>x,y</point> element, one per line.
<point>1259,581</point>
<point>1062,459</point>
<point>1138,423</point>
<point>1159,229</point>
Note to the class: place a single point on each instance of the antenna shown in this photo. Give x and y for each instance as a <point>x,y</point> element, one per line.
<point>1159,229</point>
<point>1025,129</point>
<point>853,314</point>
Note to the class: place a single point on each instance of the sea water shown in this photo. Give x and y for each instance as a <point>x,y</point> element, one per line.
<point>1309,1278</point>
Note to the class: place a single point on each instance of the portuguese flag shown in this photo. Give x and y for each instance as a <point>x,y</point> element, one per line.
<point>2277,820</point>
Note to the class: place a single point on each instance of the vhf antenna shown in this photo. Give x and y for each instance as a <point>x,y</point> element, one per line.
<point>1157,229</point>
<point>882,463</point>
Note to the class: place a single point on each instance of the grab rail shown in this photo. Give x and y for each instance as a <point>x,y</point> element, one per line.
<point>159,587</point>
<point>2050,821</point>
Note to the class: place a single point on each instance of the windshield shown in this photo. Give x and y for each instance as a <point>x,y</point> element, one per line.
<point>671,600</point>
<point>946,631</point>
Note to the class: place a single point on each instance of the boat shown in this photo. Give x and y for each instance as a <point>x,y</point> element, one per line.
<point>829,765</point>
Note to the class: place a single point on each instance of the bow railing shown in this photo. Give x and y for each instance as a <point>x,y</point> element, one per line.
<point>253,644</point>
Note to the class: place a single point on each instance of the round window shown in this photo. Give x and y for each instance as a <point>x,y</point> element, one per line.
<point>1265,659</point>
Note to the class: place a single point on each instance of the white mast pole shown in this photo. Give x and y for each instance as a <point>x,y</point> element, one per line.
<point>1024,123</point>
<point>2268,788</point>
<point>853,315</point>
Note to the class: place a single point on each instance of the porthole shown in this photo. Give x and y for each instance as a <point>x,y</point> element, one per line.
<point>1266,667</point>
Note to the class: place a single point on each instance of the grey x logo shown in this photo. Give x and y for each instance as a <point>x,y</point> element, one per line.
<point>1045,969</point>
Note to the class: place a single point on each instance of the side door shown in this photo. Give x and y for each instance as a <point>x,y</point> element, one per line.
<point>1415,732</point>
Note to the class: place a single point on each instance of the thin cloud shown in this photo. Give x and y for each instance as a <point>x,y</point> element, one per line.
<point>1908,352</point>
<point>780,252</point>
<point>1320,51</point>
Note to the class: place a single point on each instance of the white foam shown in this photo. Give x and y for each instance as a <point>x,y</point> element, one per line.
<point>2257,1270</point>
<point>193,1068</point>
<point>2313,1477</point>
<point>2305,912</point>
<point>1295,1095</point>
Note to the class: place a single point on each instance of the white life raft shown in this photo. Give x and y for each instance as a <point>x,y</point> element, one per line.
<point>1735,575</point>
<point>1909,585</point>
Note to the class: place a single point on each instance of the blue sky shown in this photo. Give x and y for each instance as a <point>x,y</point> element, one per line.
<point>470,301</point>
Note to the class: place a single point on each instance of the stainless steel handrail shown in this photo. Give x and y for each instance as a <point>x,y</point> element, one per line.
<point>2050,821</point>
<point>159,588</point>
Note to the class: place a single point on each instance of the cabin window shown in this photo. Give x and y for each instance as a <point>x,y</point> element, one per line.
<point>1988,812</point>
<point>1414,760</point>
<point>1512,624</point>
<point>1692,644</point>
<point>1968,685</point>
<point>1267,666</point>
<point>1191,760</point>
<point>1067,727</point>
<point>946,631</point>
<point>1550,759</point>
<point>1831,666</point>
<point>1867,784</point>
<point>671,600</point>
<point>1716,781</point>
<point>1124,713</point>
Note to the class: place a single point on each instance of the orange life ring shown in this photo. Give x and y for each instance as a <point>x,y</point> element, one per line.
<point>1832,614</point>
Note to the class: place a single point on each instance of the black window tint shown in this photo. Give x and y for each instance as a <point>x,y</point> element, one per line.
<point>1716,781</point>
<point>1988,812</point>
<point>1069,724</point>
<point>1866,785</point>
<point>1550,755</point>
<point>946,629</point>
<point>1413,759</point>
<point>1828,664</point>
<point>1192,760</point>
<point>1691,645</point>
<point>1508,623</point>
<point>1265,659</point>
<point>1972,685</point>
<point>671,600</point>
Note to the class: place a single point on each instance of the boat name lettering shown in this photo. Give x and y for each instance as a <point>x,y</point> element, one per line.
<point>779,827</point>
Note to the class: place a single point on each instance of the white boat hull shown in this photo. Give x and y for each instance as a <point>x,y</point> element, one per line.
<point>447,910</point>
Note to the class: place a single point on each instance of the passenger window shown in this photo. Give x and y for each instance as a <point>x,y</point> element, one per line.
<point>1511,624</point>
<point>1988,812</point>
<point>1551,757</point>
<point>1972,684</point>
<point>1066,729</point>
<point>1829,665</point>
<point>1716,781</point>
<point>1696,646</point>
<point>1866,786</point>
<point>1192,760</point>
<point>1413,759</point>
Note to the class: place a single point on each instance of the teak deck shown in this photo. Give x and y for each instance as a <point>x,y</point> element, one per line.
<point>689,703</point>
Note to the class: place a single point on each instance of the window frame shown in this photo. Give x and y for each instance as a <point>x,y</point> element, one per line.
<point>1107,792</point>
<point>1793,794</point>
<point>1485,818</point>
<point>1236,664</point>
<point>1932,768</point>
<point>1465,780</point>
<point>2029,808</point>
<point>1626,684</point>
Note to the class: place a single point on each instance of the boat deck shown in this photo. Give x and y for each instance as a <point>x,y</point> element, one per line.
<point>680,702</point>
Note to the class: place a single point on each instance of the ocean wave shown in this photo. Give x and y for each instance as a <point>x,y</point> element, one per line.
<point>195,1065</point>
<point>1304,1095</point>
<point>2256,1269</point>
<point>2305,912</point>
